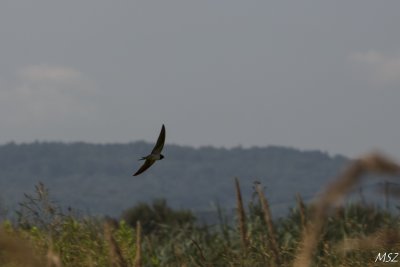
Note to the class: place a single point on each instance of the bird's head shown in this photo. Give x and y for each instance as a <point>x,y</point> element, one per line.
<point>161,156</point>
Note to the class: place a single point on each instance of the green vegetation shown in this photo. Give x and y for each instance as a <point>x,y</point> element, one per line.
<point>45,235</point>
<point>154,217</point>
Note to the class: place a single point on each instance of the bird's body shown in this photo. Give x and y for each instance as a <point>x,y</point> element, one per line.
<point>155,153</point>
<point>153,157</point>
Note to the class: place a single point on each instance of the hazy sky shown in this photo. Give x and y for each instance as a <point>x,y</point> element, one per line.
<point>307,74</point>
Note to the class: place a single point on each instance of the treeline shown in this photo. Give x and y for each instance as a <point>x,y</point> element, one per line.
<point>97,178</point>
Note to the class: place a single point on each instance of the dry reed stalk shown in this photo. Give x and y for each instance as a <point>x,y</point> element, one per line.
<point>138,256</point>
<point>115,254</point>
<point>373,163</point>
<point>241,216</point>
<point>268,220</point>
<point>53,259</point>
<point>302,210</point>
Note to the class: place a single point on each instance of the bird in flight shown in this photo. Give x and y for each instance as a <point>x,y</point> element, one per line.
<point>155,153</point>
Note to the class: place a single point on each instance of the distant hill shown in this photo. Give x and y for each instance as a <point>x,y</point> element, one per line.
<point>97,178</point>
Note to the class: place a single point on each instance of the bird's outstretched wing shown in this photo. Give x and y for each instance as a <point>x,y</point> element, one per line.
<point>145,166</point>
<point>160,142</point>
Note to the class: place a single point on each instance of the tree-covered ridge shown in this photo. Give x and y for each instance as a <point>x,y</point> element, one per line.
<point>97,177</point>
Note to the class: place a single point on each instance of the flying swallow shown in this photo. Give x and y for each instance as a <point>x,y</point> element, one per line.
<point>155,153</point>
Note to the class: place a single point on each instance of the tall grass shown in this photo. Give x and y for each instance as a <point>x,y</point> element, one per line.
<point>241,215</point>
<point>374,163</point>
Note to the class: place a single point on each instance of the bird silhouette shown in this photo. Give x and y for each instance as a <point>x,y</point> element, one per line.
<point>155,153</point>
